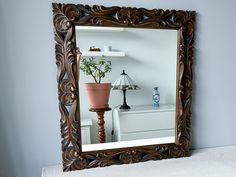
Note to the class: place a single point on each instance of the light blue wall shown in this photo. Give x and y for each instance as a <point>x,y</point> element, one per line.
<point>29,117</point>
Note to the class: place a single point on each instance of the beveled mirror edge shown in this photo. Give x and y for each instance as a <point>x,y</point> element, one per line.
<point>65,18</point>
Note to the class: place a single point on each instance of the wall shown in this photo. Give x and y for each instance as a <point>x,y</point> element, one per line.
<point>150,60</point>
<point>29,118</point>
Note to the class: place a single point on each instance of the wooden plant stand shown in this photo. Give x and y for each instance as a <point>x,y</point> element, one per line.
<point>101,130</point>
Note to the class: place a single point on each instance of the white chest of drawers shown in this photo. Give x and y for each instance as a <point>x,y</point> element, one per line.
<point>142,122</point>
<point>85,131</point>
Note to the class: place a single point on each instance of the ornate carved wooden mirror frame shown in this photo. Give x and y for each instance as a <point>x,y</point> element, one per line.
<point>65,18</point>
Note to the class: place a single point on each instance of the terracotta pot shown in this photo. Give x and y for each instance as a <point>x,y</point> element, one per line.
<point>98,94</point>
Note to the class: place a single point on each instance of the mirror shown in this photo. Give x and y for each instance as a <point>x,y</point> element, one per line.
<point>155,49</point>
<point>149,56</point>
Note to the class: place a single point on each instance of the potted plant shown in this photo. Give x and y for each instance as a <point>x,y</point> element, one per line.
<point>98,92</point>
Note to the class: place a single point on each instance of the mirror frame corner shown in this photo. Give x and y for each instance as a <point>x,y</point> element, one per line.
<point>65,18</point>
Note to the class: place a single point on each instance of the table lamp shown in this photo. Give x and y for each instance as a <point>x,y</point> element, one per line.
<point>124,82</point>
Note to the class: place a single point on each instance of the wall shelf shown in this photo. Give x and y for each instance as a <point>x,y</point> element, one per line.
<point>98,29</point>
<point>108,54</point>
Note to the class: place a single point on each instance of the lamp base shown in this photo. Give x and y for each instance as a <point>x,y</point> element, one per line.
<point>124,106</point>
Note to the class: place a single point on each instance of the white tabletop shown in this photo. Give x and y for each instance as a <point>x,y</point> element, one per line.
<point>146,108</point>
<point>212,162</point>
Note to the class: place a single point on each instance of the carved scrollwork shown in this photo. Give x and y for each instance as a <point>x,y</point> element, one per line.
<point>65,18</point>
<point>129,15</point>
<point>137,156</point>
<point>125,157</point>
<point>176,151</point>
<point>67,92</point>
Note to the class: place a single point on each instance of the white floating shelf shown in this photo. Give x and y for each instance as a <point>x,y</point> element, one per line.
<point>108,54</point>
<point>98,29</point>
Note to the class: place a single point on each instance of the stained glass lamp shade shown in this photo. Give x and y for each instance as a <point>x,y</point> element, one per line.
<point>124,82</point>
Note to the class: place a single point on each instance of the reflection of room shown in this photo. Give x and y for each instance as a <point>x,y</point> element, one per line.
<point>149,57</point>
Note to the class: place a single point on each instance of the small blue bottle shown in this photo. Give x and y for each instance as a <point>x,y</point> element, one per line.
<point>156,97</point>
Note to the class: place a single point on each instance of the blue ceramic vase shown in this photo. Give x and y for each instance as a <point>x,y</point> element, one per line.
<point>156,97</point>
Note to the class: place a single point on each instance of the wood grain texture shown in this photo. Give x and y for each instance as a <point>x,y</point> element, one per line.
<point>101,122</point>
<point>65,18</point>
<point>101,128</point>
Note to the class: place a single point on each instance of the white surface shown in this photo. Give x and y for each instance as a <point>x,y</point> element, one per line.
<point>86,122</point>
<point>142,122</point>
<point>146,109</point>
<point>144,135</point>
<point>98,29</point>
<point>108,54</point>
<point>86,135</point>
<point>146,121</point>
<point>121,144</point>
<point>213,162</point>
<point>86,131</point>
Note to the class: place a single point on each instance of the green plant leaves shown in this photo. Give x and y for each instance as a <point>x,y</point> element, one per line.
<point>97,68</point>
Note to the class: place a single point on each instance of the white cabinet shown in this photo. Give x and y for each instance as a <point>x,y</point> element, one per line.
<point>85,131</point>
<point>142,122</point>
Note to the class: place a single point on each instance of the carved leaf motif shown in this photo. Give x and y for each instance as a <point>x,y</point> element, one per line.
<point>137,156</point>
<point>125,157</point>
<point>129,15</point>
<point>177,151</point>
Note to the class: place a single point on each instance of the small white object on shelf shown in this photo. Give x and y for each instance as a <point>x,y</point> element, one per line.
<point>98,29</point>
<point>109,54</point>
<point>107,48</point>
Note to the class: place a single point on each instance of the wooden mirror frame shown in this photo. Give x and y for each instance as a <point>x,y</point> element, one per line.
<point>65,18</point>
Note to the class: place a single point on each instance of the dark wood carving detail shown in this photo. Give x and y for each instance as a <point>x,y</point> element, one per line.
<point>65,18</point>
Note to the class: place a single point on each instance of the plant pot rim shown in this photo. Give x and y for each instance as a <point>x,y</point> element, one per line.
<point>95,86</point>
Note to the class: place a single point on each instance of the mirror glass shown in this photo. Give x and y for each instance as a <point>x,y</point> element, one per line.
<point>149,58</point>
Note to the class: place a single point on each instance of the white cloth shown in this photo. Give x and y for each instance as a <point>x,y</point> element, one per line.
<point>211,162</point>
